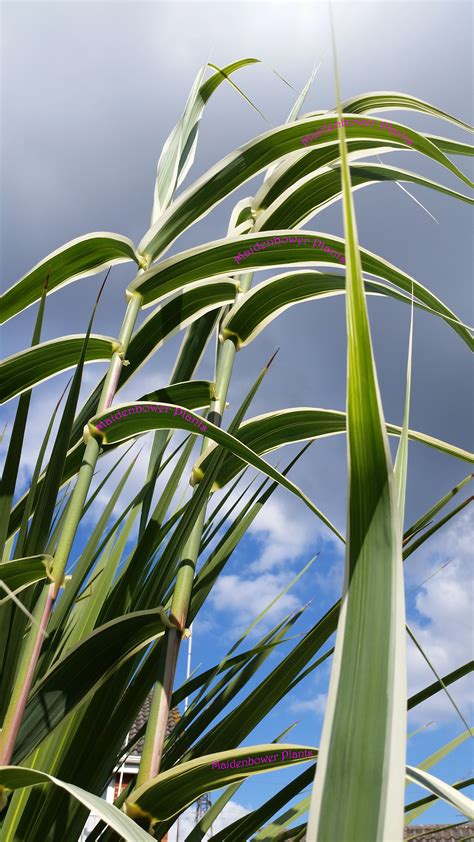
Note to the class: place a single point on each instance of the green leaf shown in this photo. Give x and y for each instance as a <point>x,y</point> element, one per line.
<point>195,308</point>
<point>152,419</point>
<point>193,683</point>
<point>14,778</point>
<point>429,691</point>
<point>204,711</point>
<point>190,395</point>
<point>88,555</point>
<point>195,266</point>
<point>433,510</point>
<point>239,723</point>
<point>441,790</point>
<point>362,749</point>
<point>243,828</point>
<point>253,157</point>
<point>400,470</point>
<point>257,619</point>
<point>82,671</point>
<point>444,750</point>
<point>173,317</point>
<point>318,159</point>
<point>298,202</point>
<point>414,544</point>
<point>274,830</point>
<point>261,305</point>
<point>178,151</point>
<point>440,680</point>
<point>172,791</point>
<point>83,256</point>
<point>272,430</point>
<point>382,100</point>
<point>12,459</point>
<point>215,563</point>
<point>411,810</point>
<point>292,116</point>
<point>35,365</point>
<point>21,572</point>
<point>47,492</point>
<point>13,622</point>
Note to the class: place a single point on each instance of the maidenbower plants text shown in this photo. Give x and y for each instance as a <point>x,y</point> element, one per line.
<point>266,758</point>
<point>352,121</point>
<point>101,425</point>
<point>276,241</point>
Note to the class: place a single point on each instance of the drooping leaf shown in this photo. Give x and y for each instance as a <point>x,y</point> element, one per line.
<point>22,572</point>
<point>83,256</point>
<point>415,807</point>
<point>253,157</point>
<point>272,430</point>
<point>190,395</point>
<point>442,790</point>
<point>395,100</point>
<point>308,196</point>
<point>81,671</point>
<point>282,247</point>
<point>35,365</point>
<point>246,319</point>
<point>14,778</point>
<point>171,791</point>
<point>152,419</point>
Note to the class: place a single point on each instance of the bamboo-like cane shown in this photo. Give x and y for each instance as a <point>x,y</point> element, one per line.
<point>156,729</point>
<point>46,602</point>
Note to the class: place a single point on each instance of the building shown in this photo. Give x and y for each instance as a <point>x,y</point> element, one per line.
<point>129,768</point>
<point>440,833</point>
<point>460,832</point>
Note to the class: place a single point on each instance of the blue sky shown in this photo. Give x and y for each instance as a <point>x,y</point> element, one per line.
<point>90,94</point>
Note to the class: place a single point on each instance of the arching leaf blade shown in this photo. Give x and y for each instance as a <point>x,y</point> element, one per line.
<point>254,157</point>
<point>194,267</point>
<point>33,366</point>
<point>83,256</point>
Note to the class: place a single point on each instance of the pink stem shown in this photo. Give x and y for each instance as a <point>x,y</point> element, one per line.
<point>14,726</point>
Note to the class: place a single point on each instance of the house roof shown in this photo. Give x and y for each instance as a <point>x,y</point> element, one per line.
<point>439,832</point>
<point>142,719</point>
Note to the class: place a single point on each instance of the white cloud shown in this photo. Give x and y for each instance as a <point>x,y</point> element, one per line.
<point>231,812</point>
<point>242,599</point>
<point>315,705</point>
<point>283,533</point>
<point>444,625</point>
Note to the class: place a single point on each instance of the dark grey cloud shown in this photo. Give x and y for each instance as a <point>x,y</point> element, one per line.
<point>90,93</point>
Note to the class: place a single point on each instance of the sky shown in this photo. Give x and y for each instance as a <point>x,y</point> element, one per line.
<point>90,92</point>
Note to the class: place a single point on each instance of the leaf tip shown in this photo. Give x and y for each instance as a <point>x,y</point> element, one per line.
<point>271,359</point>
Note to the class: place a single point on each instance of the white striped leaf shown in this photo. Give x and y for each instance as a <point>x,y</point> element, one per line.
<point>28,368</point>
<point>272,430</point>
<point>83,256</point>
<point>254,157</point>
<point>134,422</point>
<point>173,790</point>
<point>362,751</point>
<point>178,152</point>
<point>194,267</point>
<point>262,304</point>
<point>17,778</point>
